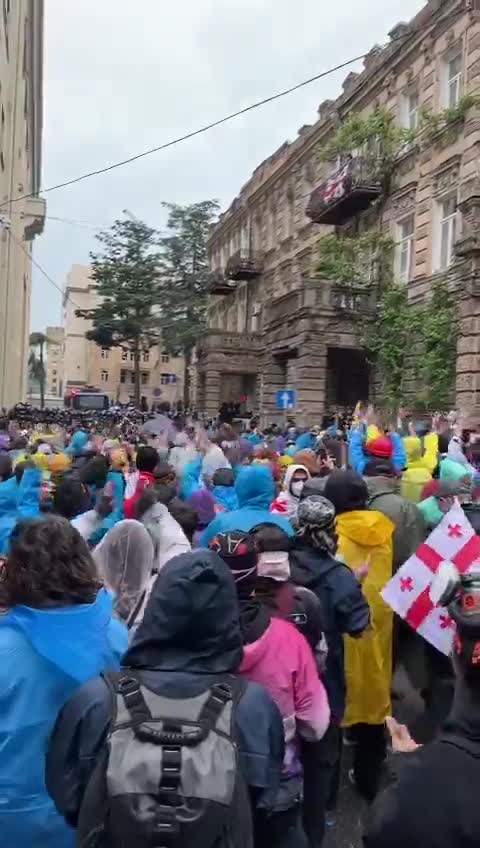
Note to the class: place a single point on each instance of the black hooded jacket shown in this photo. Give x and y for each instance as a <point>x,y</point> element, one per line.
<point>189,639</point>
<point>432,799</point>
<point>344,610</point>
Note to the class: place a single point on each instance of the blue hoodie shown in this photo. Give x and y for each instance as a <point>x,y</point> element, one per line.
<point>78,443</point>
<point>45,655</point>
<point>225,497</point>
<point>307,441</point>
<point>18,501</point>
<point>255,491</point>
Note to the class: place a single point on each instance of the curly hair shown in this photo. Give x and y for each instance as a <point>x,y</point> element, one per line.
<point>49,564</point>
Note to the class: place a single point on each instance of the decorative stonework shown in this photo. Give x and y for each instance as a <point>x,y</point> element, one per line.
<point>404,202</point>
<point>446,179</point>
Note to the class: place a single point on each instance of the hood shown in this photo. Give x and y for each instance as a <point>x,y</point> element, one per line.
<point>164,531</point>
<point>191,621</point>
<point>203,503</point>
<point>307,564</point>
<point>291,471</point>
<point>255,487</point>
<point>78,443</point>
<point>225,497</point>
<point>124,559</point>
<point>365,527</point>
<point>75,638</point>
<point>8,496</point>
<point>455,471</point>
<point>413,448</point>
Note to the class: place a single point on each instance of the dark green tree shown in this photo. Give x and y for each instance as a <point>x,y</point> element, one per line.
<point>127,280</point>
<point>184,278</point>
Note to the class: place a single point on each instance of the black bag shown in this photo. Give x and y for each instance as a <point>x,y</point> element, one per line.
<point>168,776</point>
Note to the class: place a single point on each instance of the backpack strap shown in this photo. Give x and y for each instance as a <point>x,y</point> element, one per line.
<point>463,743</point>
<point>220,695</point>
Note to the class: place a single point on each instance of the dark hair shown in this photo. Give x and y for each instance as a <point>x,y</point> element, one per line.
<point>94,471</point>
<point>185,516</point>
<point>49,564</point>
<point>147,458</point>
<point>71,498</point>
<point>162,470</point>
<point>165,492</point>
<point>21,467</point>
<point>223,477</point>
<point>270,537</point>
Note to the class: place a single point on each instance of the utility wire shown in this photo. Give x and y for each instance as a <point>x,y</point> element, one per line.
<point>42,270</point>
<point>210,126</point>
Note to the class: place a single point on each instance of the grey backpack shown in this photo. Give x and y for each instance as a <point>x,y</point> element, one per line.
<point>168,775</point>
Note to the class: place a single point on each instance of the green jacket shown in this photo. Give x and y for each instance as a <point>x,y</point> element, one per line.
<point>409,524</point>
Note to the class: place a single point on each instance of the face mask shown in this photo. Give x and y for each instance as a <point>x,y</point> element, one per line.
<point>296,488</point>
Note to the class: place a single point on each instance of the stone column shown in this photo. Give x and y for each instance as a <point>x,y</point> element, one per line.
<point>212,392</point>
<point>311,371</point>
<point>272,379</point>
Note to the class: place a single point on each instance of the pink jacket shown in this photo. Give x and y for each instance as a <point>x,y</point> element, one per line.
<point>282,661</point>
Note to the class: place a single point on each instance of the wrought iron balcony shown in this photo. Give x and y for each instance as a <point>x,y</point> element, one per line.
<point>218,283</point>
<point>347,191</point>
<point>244,265</point>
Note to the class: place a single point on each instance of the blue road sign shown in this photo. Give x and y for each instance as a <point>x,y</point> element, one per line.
<point>286,399</point>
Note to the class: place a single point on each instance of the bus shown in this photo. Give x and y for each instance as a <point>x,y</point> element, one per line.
<point>87,401</point>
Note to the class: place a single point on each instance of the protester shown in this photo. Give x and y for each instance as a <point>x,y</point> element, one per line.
<point>203,503</point>
<point>223,490</point>
<point>381,480</point>
<point>146,460</point>
<point>56,633</point>
<point>344,611</point>
<point>365,542</point>
<point>255,491</point>
<point>437,505</point>
<point>167,536</point>
<point>422,459</point>
<point>287,501</point>
<point>189,641</point>
<point>124,559</point>
<point>277,656</point>
<point>431,800</point>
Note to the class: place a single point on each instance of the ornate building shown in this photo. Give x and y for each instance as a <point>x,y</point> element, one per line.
<point>273,322</point>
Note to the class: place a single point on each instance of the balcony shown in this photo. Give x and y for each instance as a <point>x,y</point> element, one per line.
<point>346,192</point>
<point>353,301</point>
<point>244,265</point>
<point>231,342</point>
<point>34,217</point>
<point>218,283</point>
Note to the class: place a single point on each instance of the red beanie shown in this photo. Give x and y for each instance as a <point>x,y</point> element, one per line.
<point>381,447</point>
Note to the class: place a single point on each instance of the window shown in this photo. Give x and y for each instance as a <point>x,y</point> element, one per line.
<point>146,356</point>
<point>54,373</point>
<point>123,376</point>
<point>454,80</point>
<point>410,111</point>
<point>124,355</point>
<point>105,352</point>
<point>145,376</point>
<point>165,357</point>
<point>447,232</point>
<point>132,356</point>
<point>167,378</point>
<point>404,249</point>
<point>104,376</point>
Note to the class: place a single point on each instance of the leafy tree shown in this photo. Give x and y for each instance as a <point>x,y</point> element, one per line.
<point>36,365</point>
<point>437,361</point>
<point>184,278</point>
<point>126,279</point>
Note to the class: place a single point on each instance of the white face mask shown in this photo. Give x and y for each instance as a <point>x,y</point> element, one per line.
<point>296,488</point>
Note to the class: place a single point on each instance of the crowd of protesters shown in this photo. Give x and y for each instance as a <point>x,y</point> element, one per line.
<point>193,635</point>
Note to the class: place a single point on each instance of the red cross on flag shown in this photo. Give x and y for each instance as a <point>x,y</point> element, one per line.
<point>408,592</point>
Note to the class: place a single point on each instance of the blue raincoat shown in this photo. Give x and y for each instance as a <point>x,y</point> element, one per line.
<point>18,501</point>
<point>118,484</point>
<point>78,443</point>
<point>45,655</point>
<point>307,441</point>
<point>255,491</point>
<point>225,497</point>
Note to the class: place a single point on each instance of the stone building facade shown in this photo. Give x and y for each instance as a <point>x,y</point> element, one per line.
<point>22,212</point>
<point>55,347</point>
<point>112,370</point>
<point>273,323</point>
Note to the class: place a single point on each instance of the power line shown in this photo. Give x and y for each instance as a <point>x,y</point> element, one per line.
<point>42,270</point>
<point>208,127</point>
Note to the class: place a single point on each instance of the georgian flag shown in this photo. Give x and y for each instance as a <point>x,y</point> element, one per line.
<point>408,592</point>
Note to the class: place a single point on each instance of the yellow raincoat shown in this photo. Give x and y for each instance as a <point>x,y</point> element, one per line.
<point>366,535</point>
<point>421,461</point>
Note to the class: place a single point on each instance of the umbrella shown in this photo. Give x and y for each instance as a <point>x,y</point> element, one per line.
<point>159,425</point>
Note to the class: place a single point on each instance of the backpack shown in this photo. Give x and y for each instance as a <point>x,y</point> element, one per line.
<point>307,616</point>
<point>168,775</point>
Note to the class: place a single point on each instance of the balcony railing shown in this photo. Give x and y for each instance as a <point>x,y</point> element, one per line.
<point>347,191</point>
<point>244,265</point>
<point>245,344</point>
<point>356,301</point>
<point>218,283</point>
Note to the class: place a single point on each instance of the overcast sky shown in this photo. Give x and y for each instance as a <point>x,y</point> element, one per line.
<point>121,77</point>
